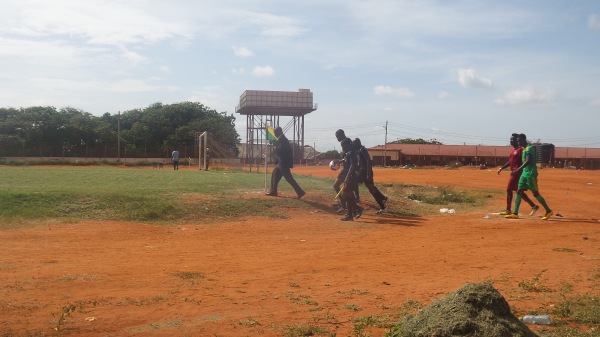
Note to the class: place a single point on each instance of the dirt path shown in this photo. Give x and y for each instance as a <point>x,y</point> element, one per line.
<point>257,276</point>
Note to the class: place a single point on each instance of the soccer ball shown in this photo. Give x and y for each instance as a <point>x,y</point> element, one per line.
<point>334,165</point>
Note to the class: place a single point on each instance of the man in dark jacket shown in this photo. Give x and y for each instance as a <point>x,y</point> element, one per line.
<point>350,181</point>
<point>284,162</point>
<point>365,175</point>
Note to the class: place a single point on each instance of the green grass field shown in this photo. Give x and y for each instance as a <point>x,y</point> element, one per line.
<point>30,195</point>
<point>33,194</point>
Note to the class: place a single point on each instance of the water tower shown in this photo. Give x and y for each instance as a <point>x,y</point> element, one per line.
<point>273,108</point>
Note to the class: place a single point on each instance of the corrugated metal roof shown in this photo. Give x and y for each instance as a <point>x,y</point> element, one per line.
<point>479,150</point>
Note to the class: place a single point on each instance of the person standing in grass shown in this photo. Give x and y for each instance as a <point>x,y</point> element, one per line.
<point>528,179</point>
<point>515,160</point>
<point>175,159</point>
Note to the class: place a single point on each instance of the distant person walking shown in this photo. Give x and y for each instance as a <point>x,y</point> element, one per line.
<point>283,164</point>
<point>528,180</point>
<point>365,175</point>
<point>175,159</point>
<point>515,160</point>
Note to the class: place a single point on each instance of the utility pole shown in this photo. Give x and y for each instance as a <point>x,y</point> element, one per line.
<point>119,138</point>
<point>385,144</point>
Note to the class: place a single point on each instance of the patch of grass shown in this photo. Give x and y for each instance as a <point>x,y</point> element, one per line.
<point>164,325</point>
<point>352,307</point>
<point>33,195</point>
<point>352,292</point>
<point>304,329</point>
<point>417,200</point>
<point>189,275</point>
<point>584,309</point>
<point>566,250</point>
<point>535,284</point>
<point>249,322</point>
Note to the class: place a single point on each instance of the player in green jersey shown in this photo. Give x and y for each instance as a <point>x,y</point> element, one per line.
<point>528,180</point>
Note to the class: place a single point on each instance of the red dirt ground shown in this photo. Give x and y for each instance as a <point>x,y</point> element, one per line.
<point>256,276</point>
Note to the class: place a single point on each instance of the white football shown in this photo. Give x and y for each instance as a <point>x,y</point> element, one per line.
<point>334,165</point>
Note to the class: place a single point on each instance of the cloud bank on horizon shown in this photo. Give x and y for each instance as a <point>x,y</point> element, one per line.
<point>459,72</point>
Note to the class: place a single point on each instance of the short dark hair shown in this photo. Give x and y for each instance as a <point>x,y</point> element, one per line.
<point>522,136</point>
<point>356,142</point>
<point>339,134</point>
<point>516,135</point>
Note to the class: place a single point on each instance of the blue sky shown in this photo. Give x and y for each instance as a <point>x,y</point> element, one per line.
<point>457,71</point>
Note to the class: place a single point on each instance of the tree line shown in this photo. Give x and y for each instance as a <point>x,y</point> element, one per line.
<point>151,132</point>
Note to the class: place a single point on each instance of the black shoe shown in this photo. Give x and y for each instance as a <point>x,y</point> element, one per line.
<point>358,212</point>
<point>301,194</point>
<point>348,217</point>
<point>271,194</point>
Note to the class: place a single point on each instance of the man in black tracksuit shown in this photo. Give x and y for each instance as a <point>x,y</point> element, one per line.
<point>350,181</point>
<point>284,162</point>
<point>365,175</point>
<point>340,135</point>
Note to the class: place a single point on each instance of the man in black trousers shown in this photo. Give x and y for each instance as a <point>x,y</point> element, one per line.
<point>365,175</point>
<point>283,164</point>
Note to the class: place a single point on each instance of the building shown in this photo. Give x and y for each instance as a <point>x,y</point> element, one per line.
<point>441,155</point>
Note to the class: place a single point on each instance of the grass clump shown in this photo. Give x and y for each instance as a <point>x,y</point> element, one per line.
<point>304,329</point>
<point>472,310</point>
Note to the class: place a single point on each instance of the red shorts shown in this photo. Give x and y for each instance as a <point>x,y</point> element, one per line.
<point>513,183</point>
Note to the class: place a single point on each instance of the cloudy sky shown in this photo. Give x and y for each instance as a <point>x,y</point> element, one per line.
<point>457,71</point>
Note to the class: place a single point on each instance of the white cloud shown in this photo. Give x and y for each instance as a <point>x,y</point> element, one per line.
<point>242,51</point>
<point>277,26</point>
<point>528,95</point>
<point>265,71</point>
<point>238,71</point>
<point>444,94</point>
<point>469,79</point>
<point>594,22</point>
<point>133,57</point>
<point>97,22</point>
<point>595,102</point>
<point>387,90</point>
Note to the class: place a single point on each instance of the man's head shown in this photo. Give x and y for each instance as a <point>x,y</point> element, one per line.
<point>514,140</point>
<point>340,135</point>
<point>346,144</point>
<point>356,142</point>
<point>278,131</point>
<point>522,140</point>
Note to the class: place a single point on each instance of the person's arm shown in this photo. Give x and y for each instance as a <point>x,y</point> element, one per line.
<point>365,154</point>
<point>504,166</point>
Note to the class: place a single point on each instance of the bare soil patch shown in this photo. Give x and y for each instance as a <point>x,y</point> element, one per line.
<point>254,277</point>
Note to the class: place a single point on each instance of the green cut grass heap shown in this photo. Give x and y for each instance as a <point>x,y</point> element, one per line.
<point>472,311</point>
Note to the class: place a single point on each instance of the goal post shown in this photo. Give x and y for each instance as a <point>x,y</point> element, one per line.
<point>202,153</point>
